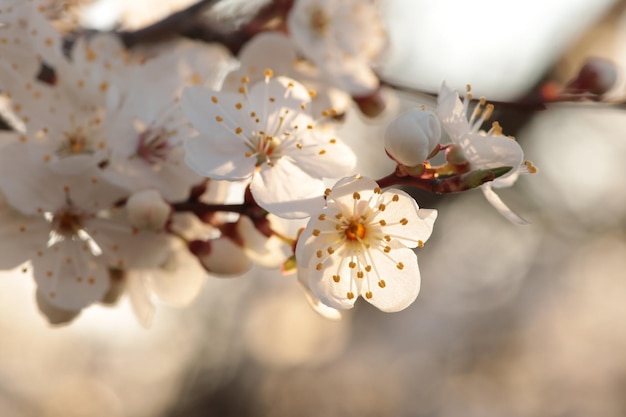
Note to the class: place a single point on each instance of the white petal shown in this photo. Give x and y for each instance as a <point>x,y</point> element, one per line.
<point>204,107</point>
<point>323,285</point>
<point>351,74</point>
<point>403,219</point>
<point>499,205</point>
<point>486,152</point>
<point>272,97</point>
<point>327,158</point>
<point>286,191</point>
<point>343,191</point>
<point>222,160</point>
<point>124,246</point>
<point>267,50</point>
<point>20,237</point>
<point>69,277</point>
<point>140,298</point>
<point>269,252</point>
<point>451,113</point>
<point>304,252</point>
<point>179,280</point>
<point>401,285</point>
<point>317,305</point>
<point>55,315</point>
<point>32,188</point>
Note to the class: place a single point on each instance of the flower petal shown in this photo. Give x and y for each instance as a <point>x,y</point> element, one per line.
<point>286,191</point>
<point>20,237</point>
<point>403,220</point>
<point>55,315</point>
<point>69,277</point>
<point>344,190</point>
<point>401,286</point>
<point>327,157</point>
<point>451,113</point>
<point>217,114</point>
<point>180,279</point>
<point>139,296</point>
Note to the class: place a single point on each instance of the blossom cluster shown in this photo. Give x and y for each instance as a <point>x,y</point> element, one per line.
<point>143,171</point>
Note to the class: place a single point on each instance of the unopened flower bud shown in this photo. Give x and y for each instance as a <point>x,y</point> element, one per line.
<point>412,136</point>
<point>456,157</point>
<point>221,256</point>
<point>147,210</point>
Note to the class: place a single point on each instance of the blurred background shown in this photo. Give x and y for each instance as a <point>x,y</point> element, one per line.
<point>511,320</point>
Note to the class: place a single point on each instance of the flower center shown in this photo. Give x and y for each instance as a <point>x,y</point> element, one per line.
<point>153,145</point>
<point>76,142</point>
<point>355,231</point>
<point>265,147</point>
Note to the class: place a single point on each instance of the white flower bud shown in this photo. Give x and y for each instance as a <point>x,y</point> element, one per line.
<point>412,136</point>
<point>147,210</point>
<point>222,257</point>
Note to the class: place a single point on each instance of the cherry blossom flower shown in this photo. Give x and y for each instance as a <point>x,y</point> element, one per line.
<point>482,149</point>
<point>267,135</point>
<point>360,245</point>
<point>63,118</point>
<point>146,135</point>
<point>342,38</point>
<point>59,223</point>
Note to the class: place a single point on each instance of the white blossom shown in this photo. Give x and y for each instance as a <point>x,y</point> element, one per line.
<point>58,222</point>
<point>265,135</point>
<point>343,38</point>
<point>360,245</point>
<point>482,149</point>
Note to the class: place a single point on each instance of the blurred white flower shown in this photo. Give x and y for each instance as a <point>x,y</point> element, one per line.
<point>60,228</point>
<point>343,38</point>
<point>147,130</point>
<point>412,136</point>
<point>275,50</point>
<point>483,150</point>
<point>267,135</point>
<point>360,244</point>
<point>26,37</point>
